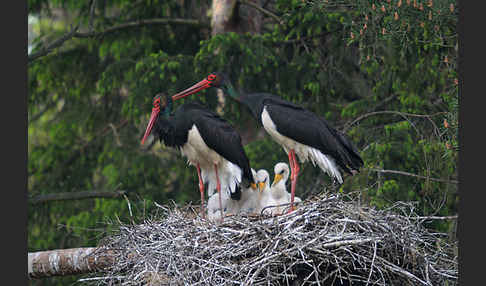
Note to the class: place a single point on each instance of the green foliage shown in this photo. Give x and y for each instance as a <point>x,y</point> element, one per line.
<point>89,102</point>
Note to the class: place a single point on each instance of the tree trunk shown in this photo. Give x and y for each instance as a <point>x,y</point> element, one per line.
<point>232,16</point>
<point>62,262</point>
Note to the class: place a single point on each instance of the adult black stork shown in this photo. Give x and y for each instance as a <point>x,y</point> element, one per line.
<point>299,131</point>
<point>208,141</point>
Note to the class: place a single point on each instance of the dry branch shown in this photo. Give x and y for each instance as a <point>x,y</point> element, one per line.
<point>262,10</point>
<point>393,112</point>
<point>75,196</point>
<point>142,22</point>
<point>414,175</point>
<point>50,47</point>
<point>75,34</point>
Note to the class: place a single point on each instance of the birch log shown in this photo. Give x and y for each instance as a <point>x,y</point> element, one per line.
<point>62,262</point>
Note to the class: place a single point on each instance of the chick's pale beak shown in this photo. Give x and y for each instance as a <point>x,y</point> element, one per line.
<point>277,178</point>
<point>261,186</point>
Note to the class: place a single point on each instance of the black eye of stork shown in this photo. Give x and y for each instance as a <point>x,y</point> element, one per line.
<point>157,102</point>
<point>212,77</point>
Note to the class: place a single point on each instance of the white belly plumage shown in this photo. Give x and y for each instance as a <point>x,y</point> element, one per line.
<point>197,152</point>
<point>304,152</point>
<point>229,206</point>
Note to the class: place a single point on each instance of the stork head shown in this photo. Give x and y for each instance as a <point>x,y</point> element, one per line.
<point>263,179</point>
<point>214,79</point>
<point>161,103</point>
<point>282,172</point>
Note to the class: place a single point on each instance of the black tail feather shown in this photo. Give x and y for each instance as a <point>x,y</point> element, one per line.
<point>351,155</point>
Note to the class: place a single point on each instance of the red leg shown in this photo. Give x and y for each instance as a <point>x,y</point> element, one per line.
<point>201,190</point>
<point>295,173</point>
<point>292,172</point>
<point>291,164</point>
<point>218,187</point>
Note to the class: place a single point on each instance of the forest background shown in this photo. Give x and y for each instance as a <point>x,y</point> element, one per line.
<point>383,72</point>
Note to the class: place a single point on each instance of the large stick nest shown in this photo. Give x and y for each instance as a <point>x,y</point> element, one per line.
<point>328,240</point>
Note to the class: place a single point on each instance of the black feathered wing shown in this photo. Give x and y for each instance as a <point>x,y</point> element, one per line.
<point>220,136</point>
<point>307,128</point>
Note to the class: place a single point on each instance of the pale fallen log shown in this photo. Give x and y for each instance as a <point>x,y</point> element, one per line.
<point>61,262</point>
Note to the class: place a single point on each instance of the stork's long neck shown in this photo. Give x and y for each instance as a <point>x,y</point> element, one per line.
<point>247,99</point>
<point>231,91</point>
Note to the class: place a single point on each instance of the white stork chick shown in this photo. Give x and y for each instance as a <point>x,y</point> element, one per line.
<point>278,191</point>
<point>271,198</point>
<point>230,206</point>
<point>262,179</point>
<point>248,203</point>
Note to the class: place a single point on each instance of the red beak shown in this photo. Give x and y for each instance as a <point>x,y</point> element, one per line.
<point>203,84</point>
<point>153,117</point>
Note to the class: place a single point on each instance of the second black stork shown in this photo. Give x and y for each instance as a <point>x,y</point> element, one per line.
<point>299,131</point>
<point>208,141</point>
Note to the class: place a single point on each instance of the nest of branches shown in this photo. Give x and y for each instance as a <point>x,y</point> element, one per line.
<point>328,240</point>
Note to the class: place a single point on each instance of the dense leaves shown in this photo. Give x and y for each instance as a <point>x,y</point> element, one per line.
<point>382,71</point>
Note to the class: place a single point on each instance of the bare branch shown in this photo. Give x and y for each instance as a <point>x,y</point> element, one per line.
<point>76,196</point>
<point>451,217</point>
<point>139,23</point>
<point>75,34</point>
<point>262,10</point>
<point>403,114</point>
<point>414,175</point>
<point>55,44</point>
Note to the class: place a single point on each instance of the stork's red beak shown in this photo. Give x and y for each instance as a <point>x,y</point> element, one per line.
<point>153,117</point>
<point>203,84</point>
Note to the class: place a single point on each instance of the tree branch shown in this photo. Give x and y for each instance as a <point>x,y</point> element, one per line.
<point>75,196</point>
<point>451,217</point>
<point>55,44</point>
<point>155,21</point>
<point>413,175</point>
<point>262,10</point>
<point>34,117</point>
<point>75,34</point>
<point>61,262</point>
<point>91,14</point>
<point>291,41</point>
<point>403,114</point>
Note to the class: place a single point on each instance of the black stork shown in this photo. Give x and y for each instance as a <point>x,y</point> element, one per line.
<point>299,131</point>
<point>208,141</point>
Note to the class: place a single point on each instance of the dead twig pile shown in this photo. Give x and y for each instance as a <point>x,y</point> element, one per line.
<point>328,240</point>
